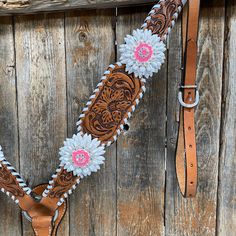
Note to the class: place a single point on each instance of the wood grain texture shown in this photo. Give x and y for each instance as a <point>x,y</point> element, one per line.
<point>41,90</point>
<point>89,50</point>
<point>141,151</point>
<point>59,60</point>
<point>198,216</point>
<point>226,221</point>
<point>30,6</point>
<point>9,211</point>
<point>174,79</point>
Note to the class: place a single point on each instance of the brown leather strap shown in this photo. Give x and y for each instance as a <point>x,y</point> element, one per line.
<point>45,221</point>
<point>42,225</point>
<point>186,157</point>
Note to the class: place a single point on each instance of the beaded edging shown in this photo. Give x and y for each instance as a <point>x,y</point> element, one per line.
<point>146,25</point>
<point>15,186</point>
<point>65,180</point>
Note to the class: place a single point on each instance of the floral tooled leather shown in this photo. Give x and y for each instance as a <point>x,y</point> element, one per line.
<point>64,182</point>
<point>111,104</point>
<point>8,182</point>
<point>162,18</point>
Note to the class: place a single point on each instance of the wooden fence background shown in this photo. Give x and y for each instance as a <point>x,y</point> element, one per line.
<point>49,65</point>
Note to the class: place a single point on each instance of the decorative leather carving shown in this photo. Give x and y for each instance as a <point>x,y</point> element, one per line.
<point>63,182</point>
<point>111,104</point>
<point>161,20</point>
<point>9,182</point>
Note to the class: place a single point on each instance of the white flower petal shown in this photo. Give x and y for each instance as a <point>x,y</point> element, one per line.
<point>91,146</point>
<point>139,67</point>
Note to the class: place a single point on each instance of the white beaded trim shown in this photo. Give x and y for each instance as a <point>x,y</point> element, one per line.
<point>157,6</point>
<point>119,130</point>
<point>97,89</point>
<point>69,192</point>
<point>19,179</point>
<point>50,186</point>
<point>100,84</point>
<point>51,182</point>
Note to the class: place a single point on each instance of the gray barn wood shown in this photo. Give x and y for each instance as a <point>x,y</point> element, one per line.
<point>49,65</point>
<point>29,6</point>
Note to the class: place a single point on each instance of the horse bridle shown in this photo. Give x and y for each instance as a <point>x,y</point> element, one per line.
<point>108,110</point>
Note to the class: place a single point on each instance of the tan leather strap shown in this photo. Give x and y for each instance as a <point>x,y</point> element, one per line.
<point>45,221</point>
<point>186,157</point>
<point>42,225</point>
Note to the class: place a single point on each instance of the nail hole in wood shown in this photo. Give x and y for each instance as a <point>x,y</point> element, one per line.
<point>82,37</point>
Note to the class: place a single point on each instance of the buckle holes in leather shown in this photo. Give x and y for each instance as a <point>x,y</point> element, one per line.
<point>191,182</point>
<point>191,165</point>
<point>190,146</point>
<point>126,127</point>
<point>189,128</point>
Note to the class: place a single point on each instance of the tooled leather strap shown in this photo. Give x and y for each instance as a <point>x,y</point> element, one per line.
<point>186,157</point>
<point>114,83</point>
<point>14,186</point>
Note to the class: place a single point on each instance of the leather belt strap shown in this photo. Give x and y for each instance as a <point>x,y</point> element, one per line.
<point>186,157</point>
<point>42,225</point>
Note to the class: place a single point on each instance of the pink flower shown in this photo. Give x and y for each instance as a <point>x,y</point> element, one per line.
<point>80,158</point>
<point>143,52</point>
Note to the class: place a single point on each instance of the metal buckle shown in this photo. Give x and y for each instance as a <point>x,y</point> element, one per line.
<point>180,96</point>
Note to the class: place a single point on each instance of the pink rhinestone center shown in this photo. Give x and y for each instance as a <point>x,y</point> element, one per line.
<point>80,158</point>
<point>143,52</point>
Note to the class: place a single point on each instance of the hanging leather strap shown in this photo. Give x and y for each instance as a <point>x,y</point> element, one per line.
<point>186,157</point>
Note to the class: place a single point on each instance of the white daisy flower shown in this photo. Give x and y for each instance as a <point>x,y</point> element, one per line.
<point>82,155</point>
<point>143,53</point>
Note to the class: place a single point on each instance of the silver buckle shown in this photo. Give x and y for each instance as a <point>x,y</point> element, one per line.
<point>180,96</point>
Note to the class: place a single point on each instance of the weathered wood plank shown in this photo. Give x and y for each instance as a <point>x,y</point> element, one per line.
<point>30,6</point>
<point>8,122</point>
<point>41,89</point>
<point>226,221</point>
<point>198,216</point>
<point>141,151</point>
<point>89,50</point>
<point>174,78</point>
